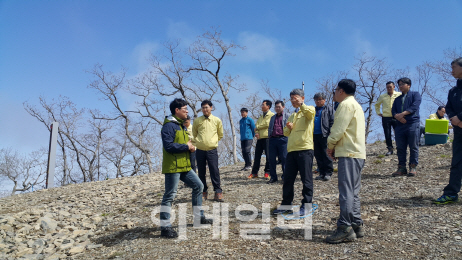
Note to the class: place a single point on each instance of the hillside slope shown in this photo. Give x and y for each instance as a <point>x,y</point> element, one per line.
<point>112,219</point>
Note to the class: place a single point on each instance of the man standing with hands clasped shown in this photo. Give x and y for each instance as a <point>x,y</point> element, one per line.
<point>347,142</point>
<point>261,132</point>
<point>207,131</point>
<point>277,140</point>
<point>407,131</point>
<point>386,101</point>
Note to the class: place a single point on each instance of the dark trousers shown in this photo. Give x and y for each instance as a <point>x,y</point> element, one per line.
<point>210,157</point>
<point>325,164</point>
<point>298,161</point>
<point>455,176</point>
<point>387,124</point>
<point>262,145</point>
<point>278,147</point>
<point>193,161</point>
<point>246,146</point>
<point>407,135</point>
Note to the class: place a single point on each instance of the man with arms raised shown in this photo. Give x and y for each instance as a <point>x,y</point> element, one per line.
<point>299,130</point>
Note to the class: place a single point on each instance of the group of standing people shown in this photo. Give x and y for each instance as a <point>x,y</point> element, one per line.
<point>315,132</point>
<point>325,132</point>
<point>400,111</point>
<point>269,131</point>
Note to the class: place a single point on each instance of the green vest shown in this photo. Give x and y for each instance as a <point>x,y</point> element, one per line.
<point>177,162</point>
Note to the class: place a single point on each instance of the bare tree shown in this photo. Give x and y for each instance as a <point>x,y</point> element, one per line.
<point>169,77</point>
<point>116,152</point>
<point>371,72</point>
<point>444,80</point>
<point>424,75</point>
<point>273,93</point>
<point>207,53</point>
<point>24,171</point>
<point>109,85</point>
<point>327,85</point>
<point>225,148</point>
<point>442,67</point>
<point>54,111</point>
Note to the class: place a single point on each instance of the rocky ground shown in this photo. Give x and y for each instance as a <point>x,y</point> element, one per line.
<point>112,219</point>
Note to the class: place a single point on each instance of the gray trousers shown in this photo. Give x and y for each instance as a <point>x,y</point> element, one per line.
<point>349,184</point>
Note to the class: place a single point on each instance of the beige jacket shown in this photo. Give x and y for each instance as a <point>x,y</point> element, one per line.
<point>207,132</point>
<point>262,125</point>
<point>387,103</point>
<point>348,134</point>
<point>301,135</point>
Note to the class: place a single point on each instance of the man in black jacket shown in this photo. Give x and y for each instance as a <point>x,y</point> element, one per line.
<point>454,111</point>
<point>323,121</point>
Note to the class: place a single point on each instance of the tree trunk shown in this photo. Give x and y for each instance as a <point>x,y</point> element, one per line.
<point>230,116</point>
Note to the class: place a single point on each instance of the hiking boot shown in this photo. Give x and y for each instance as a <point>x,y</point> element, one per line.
<point>412,170</point>
<point>390,152</point>
<point>271,181</point>
<point>247,168</point>
<point>267,176</point>
<point>303,212</point>
<point>342,234</point>
<point>168,232</point>
<point>358,229</point>
<point>252,176</point>
<point>326,178</point>
<point>205,220</point>
<point>218,197</point>
<point>282,211</point>
<point>319,177</point>
<point>445,199</point>
<point>205,195</point>
<point>402,171</point>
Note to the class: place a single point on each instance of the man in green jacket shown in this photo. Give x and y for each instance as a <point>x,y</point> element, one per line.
<point>176,166</point>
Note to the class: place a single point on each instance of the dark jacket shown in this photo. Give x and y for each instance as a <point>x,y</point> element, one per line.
<point>176,155</point>
<point>411,104</point>
<point>327,119</point>
<point>454,105</point>
<point>285,116</point>
<point>247,128</point>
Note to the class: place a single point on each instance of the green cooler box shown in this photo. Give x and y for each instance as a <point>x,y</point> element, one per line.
<point>431,139</point>
<point>436,126</point>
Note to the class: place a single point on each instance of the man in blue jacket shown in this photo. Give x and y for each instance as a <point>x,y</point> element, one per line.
<point>323,121</point>
<point>277,140</point>
<point>406,111</point>
<point>454,111</point>
<point>247,130</point>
